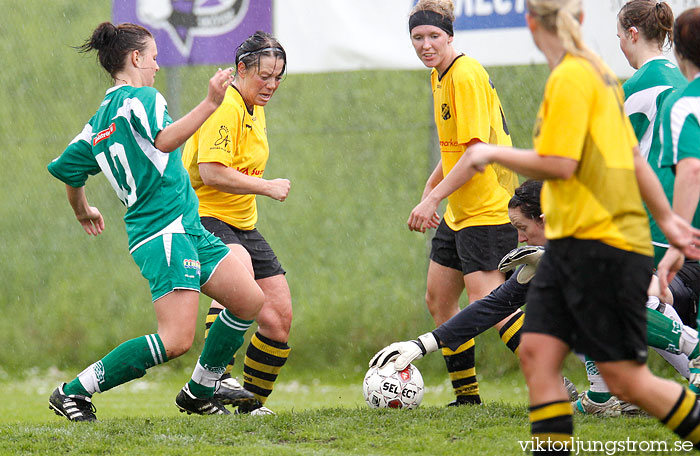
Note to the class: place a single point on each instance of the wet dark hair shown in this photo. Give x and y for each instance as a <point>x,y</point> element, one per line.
<point>527,199</point>
<point>257,45</point>
<point>686,35</point>
<point>653,20</point>
<point>114,43</point>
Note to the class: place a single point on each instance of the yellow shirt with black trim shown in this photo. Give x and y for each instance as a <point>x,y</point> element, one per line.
<point>235,138</point>
<point>467,107</point>
<point>582,118</point>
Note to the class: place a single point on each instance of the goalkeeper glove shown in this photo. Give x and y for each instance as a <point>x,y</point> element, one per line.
<point>529,256</point>
<point>403,353</point>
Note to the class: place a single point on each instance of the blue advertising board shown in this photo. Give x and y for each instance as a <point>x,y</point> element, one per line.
<point>190,32</point>
<point>489,14</point>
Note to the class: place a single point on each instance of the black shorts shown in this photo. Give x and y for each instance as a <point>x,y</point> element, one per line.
<point>685,288</point>
<point>593,297</point>
<point>265,262</point>
<point>474,248</point>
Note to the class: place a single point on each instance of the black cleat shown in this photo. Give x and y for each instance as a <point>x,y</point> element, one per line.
<point>230,392</point>
<point>471,399</point>
<point>188,402</point>
<point>74,407</point>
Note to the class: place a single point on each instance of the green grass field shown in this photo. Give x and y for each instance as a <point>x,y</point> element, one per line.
<point>313,418</point>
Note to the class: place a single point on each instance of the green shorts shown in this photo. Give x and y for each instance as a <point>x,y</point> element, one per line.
<point>179,261</point>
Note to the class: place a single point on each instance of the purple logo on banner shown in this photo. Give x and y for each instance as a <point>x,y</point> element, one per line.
<point>196,31</point>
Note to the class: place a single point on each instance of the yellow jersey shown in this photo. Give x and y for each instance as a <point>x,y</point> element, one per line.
<point>582,118</point>
<point>235,138</point>
<point>467,107</point>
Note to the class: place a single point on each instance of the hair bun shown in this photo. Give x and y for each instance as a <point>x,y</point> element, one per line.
<point>104,36</point>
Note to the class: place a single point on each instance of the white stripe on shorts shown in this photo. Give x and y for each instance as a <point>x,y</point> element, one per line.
<point>168,245</point>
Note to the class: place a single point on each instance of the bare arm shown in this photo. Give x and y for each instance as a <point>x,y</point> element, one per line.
<point>686,193</point>
<point>523,161</point>
<point>229,180</point>
<point>435,178</point>
<point>88,216</point>
<point>438,187</point>
<point>175,134</point>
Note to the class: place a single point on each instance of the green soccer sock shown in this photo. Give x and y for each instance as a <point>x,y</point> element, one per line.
<point>125,363</point>
<point>667,334</point>
<point>598,397</point>
<point>225,337</point>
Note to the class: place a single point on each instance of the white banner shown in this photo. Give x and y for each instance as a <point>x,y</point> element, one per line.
<point>343,35</point>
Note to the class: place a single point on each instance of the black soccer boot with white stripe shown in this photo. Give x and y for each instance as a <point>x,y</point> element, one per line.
<point>188,402</point>
<point>230,392</point>
<point>75,407</point>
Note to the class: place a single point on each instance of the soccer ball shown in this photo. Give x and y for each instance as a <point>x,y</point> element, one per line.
<point>385,387</point>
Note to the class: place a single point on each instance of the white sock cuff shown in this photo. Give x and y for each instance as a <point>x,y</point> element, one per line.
<point>91,376</point>
<point>207,377</point>
<point>688,340</point>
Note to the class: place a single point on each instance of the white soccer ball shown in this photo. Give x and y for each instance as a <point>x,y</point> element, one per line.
<point>387,387</point>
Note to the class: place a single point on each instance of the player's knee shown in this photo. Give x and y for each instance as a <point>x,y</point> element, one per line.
<point>255,302</point>
<point>245,306</point>
<point>527,353</point>
<point>177,346</point>
<point>624,390</point>
<point>623,383</point>
<point>437,308</point>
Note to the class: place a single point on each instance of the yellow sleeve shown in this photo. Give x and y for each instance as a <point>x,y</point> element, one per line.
<point>472,110</point>
<point>219,136</point>
<point>566,115</point>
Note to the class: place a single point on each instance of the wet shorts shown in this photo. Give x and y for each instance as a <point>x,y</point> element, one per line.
<point>474,248</point>
<point>265,262</point>
<point>179,261</point>
<point>593,297</point>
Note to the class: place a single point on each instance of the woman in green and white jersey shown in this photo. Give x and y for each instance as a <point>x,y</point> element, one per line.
<point>644,28</point>
<point>133,141</point>
<point>680,128</point>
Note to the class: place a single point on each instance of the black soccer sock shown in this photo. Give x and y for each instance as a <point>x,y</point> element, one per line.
<point>510,332</point>
<point>211,317</point>
<point>684,418</point>
<point>462,370</point>
<point>551,426</point>
<point>263,361</point>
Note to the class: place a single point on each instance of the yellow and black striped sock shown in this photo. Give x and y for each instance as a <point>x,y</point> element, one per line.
<point>462,370</point>
<point>684,418</point>
<point>263,361</point>
<point>211,317</point>
<point>510,332</point>
<point>552,426</point>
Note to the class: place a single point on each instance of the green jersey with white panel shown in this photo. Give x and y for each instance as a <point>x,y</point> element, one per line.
<point>119,141</point>
<point>645,93</point>
<point>680,128</point>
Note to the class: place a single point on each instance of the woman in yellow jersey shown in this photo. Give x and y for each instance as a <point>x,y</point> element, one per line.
<point>590,289</point>
<point>475,232</point>
<point>226,160</point>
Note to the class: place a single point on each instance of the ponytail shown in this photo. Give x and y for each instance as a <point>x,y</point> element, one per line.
<point>653,20</point>
<point>114,43</point>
